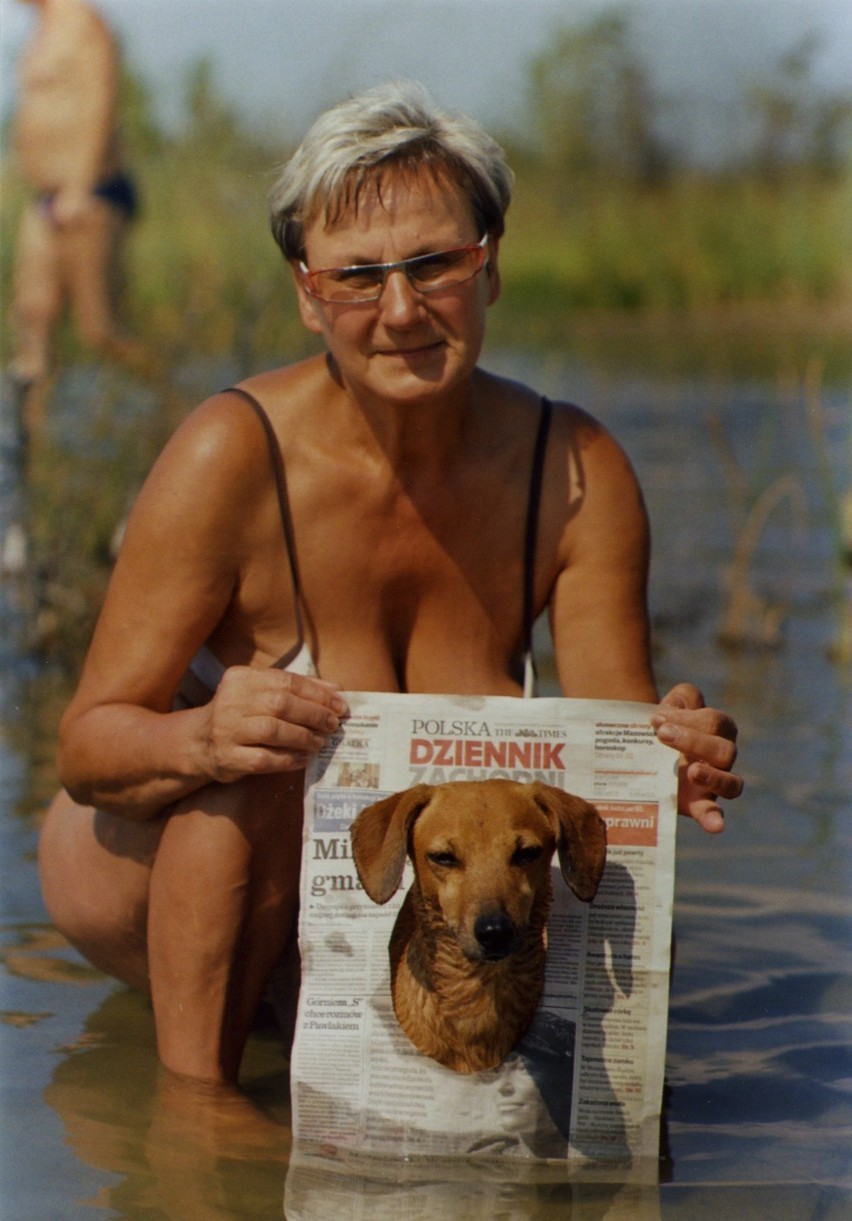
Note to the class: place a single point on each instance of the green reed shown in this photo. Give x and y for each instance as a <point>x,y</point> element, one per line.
<point>204,276</point>
<point>693,244</point>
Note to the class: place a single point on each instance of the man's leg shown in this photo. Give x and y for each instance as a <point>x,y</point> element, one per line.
<point>35,307</point>
<point>92,269</point>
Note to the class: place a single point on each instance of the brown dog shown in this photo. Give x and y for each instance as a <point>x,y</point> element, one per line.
<point>467,949</point>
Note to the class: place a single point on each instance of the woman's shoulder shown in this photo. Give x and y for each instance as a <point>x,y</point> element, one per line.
<point>582,457</point>
<point>285,393</point>
<point>226,429</point>
<point>569,424</point>
<point>576,432</point>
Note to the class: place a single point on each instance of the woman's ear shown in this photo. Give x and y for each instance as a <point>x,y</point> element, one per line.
<point>308,310</point>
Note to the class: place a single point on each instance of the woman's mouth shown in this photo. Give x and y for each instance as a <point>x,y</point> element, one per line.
<point>411,350</point>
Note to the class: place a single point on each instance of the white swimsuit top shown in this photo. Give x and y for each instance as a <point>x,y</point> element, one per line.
<point>208,669</point>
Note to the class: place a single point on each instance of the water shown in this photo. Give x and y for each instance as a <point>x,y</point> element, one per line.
<point>759,1082</point>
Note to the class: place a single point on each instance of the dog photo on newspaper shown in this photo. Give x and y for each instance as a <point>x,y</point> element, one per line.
<point>467,950</point>
<point>484,934</point>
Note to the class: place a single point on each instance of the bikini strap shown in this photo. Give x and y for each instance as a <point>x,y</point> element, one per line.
<point>277,464</point>
<point>530,539</point>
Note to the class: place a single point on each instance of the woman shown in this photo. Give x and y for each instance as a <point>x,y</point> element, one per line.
<point>391,557</point>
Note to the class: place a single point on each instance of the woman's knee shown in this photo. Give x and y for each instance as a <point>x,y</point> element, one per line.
<point>243,838</point>
<point>264,811</point>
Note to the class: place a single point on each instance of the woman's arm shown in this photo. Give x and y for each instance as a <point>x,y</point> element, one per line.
<point>598,608</point>
<point>600,624</point>
<point>183,557</point>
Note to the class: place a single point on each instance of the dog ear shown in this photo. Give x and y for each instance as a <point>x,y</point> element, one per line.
<point>380,840</point>
<point>580,838</point>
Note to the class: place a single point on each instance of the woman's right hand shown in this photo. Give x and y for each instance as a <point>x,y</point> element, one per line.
<point>262,721</point>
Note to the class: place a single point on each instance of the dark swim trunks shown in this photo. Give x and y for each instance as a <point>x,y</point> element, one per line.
<point>118,191</point>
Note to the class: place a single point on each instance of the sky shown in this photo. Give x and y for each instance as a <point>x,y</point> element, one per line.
<point>281,61</point>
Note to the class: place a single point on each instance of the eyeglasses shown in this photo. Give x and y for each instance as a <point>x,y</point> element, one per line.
<point>426,273</point>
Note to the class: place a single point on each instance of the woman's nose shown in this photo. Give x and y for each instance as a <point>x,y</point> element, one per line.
<point>399,302</point>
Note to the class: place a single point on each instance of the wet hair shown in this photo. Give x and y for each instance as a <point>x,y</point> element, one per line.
<point>392,128</point>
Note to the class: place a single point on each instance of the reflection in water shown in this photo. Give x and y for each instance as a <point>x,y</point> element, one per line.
<point>173,1148</point>
<point>41,953</point>
<point>541,1070</point>
<point>518,1094</point>
<point>319,1190</point>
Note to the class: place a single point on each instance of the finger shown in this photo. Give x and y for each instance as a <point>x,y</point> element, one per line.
<point>683,695</point>
<point>277,734</point>
<point>723,784</point>
<point>708,814</point>
<point>308,700</point>
<point>319,717</point>
<point>260,760</point>
<point>706,735</point>
<point>273,689</point>
<point>711,720</point>
<point>309,703</point>
<point>320,690</point>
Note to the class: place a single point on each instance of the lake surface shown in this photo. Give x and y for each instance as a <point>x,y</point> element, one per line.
<point>758,1117</point>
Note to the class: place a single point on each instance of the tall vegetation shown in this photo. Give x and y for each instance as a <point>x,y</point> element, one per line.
<point>612,215</point>
<point>594,108</point>
<point>799,127</point>
<point>204,271</point>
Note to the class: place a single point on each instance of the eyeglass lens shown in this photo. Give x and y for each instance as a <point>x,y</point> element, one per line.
<point>426,273</point>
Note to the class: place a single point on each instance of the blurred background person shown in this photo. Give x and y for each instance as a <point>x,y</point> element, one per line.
<point>73,228</point>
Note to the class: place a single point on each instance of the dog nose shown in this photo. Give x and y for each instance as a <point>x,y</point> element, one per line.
<point>495,932</point>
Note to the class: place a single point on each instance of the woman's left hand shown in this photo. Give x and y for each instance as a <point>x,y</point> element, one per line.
<point>706,740</point>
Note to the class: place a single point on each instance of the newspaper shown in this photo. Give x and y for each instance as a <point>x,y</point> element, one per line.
<point>583,1090</point>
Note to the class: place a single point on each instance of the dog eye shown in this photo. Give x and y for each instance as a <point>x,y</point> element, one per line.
<point>448,859</point>
<point>526,856</point>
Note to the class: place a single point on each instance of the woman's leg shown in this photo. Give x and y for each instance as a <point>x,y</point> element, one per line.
<point>196,907</point>
<point>223,902</point>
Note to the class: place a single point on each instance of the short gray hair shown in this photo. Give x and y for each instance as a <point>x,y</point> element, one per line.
<point>395,126</point>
